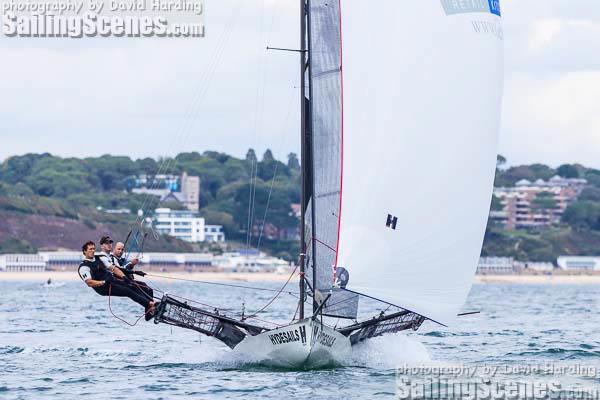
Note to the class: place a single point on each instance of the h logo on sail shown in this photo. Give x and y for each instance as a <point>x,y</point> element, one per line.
<point>391,221</point>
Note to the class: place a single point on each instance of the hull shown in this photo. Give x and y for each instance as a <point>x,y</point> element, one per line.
<point>304,344</point>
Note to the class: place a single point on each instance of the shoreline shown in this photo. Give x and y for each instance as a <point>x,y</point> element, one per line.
<point>559,279</point>
<point>70,276</point>
<point>62,276</point>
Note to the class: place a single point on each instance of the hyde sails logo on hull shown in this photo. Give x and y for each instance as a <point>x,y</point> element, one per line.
<point>289,336</point>
<point>471,6</point>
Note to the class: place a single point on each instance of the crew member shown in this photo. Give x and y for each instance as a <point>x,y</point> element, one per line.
<point>127,268</point>
<point>106,244</point>
<point>109,280</point>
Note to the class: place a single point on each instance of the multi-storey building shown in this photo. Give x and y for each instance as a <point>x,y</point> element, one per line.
<point>22,263</point>
<point>523,206</point>
<point>495,265</point>
<point>183,189</point>
<point>214,233</point>
<point>190,190</point>
<point>577,263</point>
<point>187,226</point>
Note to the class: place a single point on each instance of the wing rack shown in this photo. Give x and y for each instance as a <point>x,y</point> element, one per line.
<point>228,330</point>
<point>377,326</point>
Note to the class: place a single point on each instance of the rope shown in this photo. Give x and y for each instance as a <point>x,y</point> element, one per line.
<point>276,295</point>
<point>119,318</point>
<point>224,284</point>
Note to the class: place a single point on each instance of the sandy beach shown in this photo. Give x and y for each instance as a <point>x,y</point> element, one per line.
<point>540,279</point>
<point>63,276</point>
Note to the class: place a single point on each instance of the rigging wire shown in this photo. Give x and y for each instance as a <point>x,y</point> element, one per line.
<point>261,72</point>
<point>283,126</point>
<point>276,295</point>
<point>250,205</point>
<point>155,288</point>
<point>183,132</point>
<point>220,283</point>
<point>262,227</point>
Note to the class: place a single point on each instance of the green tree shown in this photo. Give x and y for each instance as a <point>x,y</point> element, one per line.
<point>293,162</point>
<point>16,169</point>
<point>500,161</point>
<point>590,194</point>
<point>147,166</point>
<point>542,171</point>
<point>496,204</point>
<point>583,215</point>
<point>251,156</point>
<point>544,202</point>
<point>568,171</point>
<point>593,177</point>
<point>514,174</point>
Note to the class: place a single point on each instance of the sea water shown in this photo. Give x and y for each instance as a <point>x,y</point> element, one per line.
<point>62,342</point>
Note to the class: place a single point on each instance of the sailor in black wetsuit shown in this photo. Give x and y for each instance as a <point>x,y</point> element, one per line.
<point>109,280</point>
<point>128,268</point>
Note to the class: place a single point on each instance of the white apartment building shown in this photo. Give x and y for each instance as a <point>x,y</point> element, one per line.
<point>576,263</point>
<point>214,233</point>
<point>22,263</point>
<point>539,266</point>
<point>250,261</point>
<point>187,226</point>
<point>61,260</point>
<point>495,265</point>
<point>184,225</point>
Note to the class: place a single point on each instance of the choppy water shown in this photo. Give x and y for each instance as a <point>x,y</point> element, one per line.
<point>62,342</point>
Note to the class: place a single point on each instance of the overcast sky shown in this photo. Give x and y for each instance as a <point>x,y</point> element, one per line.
<point>149,97</point>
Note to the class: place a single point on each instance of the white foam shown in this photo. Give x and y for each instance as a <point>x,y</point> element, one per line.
<point>388,352</point>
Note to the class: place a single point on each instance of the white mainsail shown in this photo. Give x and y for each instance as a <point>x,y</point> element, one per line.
<point>406,99</point>
<point>422,88</point>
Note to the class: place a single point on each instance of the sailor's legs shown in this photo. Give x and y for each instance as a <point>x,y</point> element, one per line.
<point>119,289</point>
<point>140,286</point>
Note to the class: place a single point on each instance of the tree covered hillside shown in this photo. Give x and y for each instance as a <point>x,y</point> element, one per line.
<point>51,202</point>
<point>73,189</point>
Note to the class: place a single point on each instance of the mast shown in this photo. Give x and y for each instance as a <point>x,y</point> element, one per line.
<point>303,161</point>
<point>311,166</point>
